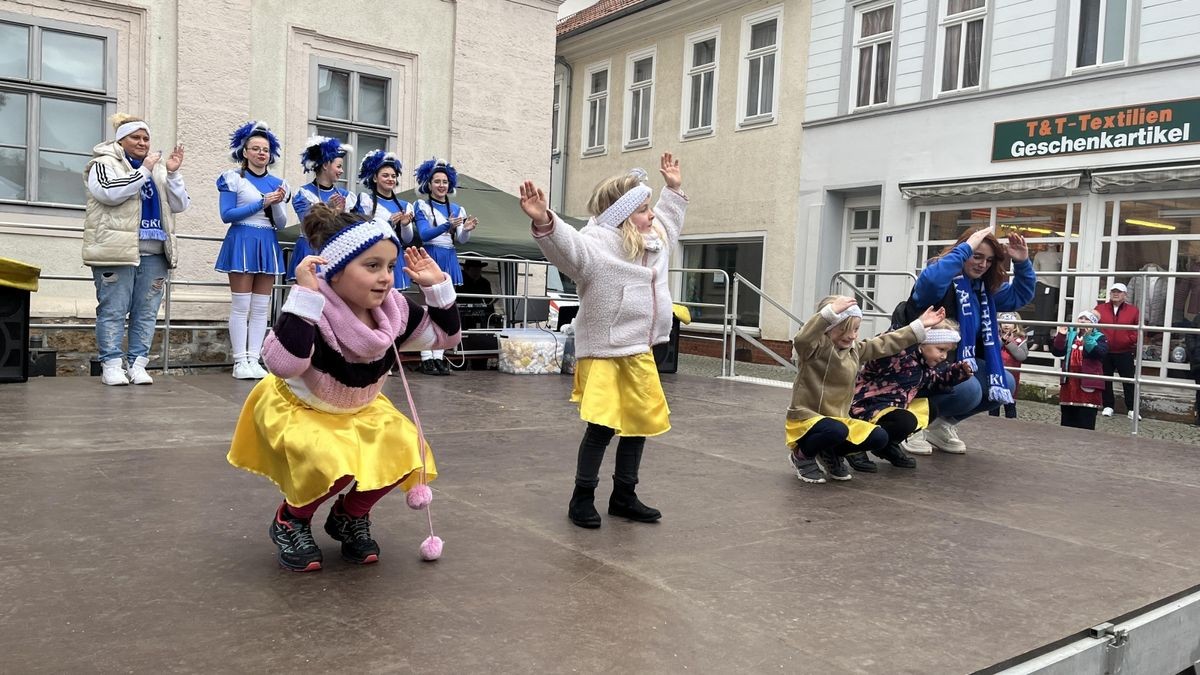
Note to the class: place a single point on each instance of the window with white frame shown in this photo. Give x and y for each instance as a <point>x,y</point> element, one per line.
<point>57,85</point>
<point>871,56</point>
<point>1099,34</point>
<point>961,43</point>
<point>759,77</point>
<point>700,81</point>
<point>354,106</point>
<point>741,255</point>
<point>554,119</point>
<point>639,82</point>
<point>596,109</point>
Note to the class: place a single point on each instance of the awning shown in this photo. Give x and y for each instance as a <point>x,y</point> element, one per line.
<point>1102,181</point>
<point>999,186</point>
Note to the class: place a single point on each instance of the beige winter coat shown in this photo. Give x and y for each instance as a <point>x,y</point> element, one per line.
<point>114,207</point>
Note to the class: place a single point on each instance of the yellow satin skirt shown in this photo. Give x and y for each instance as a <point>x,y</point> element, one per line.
<point>623,394</point>
<point>794,430</point>
<point>305,451</point>
<point>919,409</point>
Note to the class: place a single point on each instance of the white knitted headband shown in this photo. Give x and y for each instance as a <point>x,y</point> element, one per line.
<point>941,336</point>
<point>629,202</point>
<point>350,242</point>
<point>130,127</point>
<point>852,311</point>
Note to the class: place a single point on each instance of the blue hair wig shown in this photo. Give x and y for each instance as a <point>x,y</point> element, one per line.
<point>430,167</point>
<point>239,138</point>
<point>321,150</point>
<point>373,162</point>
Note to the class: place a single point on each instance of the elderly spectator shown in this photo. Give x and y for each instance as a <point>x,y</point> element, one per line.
<point>1122,344</point>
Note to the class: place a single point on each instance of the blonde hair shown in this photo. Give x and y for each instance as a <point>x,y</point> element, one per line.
<point>117,119</point>
<point>852,323</point>
<point>604,195</point>
<point>1017,327</point>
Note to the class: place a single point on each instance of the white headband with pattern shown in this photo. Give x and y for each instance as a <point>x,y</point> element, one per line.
<point>350,242</point>
<point>130,127</point>
<point>941,336</point>
<point>852,311</point>
<point>629,202</point>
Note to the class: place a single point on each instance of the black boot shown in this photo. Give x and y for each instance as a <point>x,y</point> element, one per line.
<point>582,510</point>
<point>860,462</point>
<point>624,504</point>
<point>429,367</point>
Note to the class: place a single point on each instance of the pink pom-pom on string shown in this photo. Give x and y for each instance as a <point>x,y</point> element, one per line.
<point>419,497</point>
<point>431,548</point>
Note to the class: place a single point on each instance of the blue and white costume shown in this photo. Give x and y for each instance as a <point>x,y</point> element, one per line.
<point>319,151</point>
<point>250,246</point>
<point>381,209</point>
<point>433,220</point>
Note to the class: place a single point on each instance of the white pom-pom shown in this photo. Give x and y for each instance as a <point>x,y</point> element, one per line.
<point>419,497</point>
<point>431,548</point>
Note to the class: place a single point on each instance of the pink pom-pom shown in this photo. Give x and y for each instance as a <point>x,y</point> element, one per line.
<point>431,548</point>
<point>419,497</point>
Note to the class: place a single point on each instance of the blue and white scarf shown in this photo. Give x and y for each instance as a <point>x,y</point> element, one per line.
<point>977,318</point>
<point>151,226</point>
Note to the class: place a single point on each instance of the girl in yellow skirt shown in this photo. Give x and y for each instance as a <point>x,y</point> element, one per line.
<point>819,426</point>
<point>887,389</point>
<point>319,423</point>
<point>619,263</point>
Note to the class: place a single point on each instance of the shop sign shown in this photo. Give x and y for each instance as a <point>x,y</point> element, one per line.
<point>1104,130</point>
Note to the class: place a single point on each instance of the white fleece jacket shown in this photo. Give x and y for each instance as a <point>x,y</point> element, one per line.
<point>624,305</point>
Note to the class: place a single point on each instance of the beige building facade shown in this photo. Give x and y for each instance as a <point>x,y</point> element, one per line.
<point>718,83</point>
<point>466,80</point>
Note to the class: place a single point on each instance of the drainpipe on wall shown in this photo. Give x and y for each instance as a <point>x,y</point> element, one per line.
<point>564,118</point>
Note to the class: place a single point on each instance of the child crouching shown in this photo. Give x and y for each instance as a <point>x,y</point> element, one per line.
<point>819,426</point>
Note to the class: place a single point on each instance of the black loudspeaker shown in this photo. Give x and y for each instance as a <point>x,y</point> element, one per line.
<point>14,335</point>
<point>666,355</point>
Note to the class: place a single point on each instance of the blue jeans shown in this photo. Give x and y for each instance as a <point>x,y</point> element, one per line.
<point>135,291</point>
<point>967,398</point>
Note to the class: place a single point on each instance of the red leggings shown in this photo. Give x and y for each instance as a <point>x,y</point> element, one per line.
<point>356,504</point>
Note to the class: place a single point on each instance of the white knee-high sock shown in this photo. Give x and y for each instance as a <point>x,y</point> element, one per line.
<point>435,354</point>
<point>239,310</point>
<point>260,306</point>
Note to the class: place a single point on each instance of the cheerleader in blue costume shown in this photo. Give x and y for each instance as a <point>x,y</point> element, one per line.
<point>252,202</point>
<point>439,224</point>
<point>380,174</point>
<point>323,157</point>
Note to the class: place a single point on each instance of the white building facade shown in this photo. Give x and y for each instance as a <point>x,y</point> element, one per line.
<point>1074,122</point>
<point>420,78</point>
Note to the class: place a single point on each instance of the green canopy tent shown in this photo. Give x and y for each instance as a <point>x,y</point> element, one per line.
<point>503,230</point>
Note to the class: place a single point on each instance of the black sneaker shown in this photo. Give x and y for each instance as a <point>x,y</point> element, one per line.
<point>806,469</point>
<point>833,464</point>
<point>355,534</point>
<point>896,456</point>
<point>861,462</point>
<point>298,551</point>
<point>429,367</point>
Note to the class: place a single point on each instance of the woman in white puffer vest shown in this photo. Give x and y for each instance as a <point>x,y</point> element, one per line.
<point>619,261</point>
<point>129,242</point>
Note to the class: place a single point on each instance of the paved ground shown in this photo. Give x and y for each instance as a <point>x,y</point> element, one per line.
<point>131,546</point>
<point>1032,411</point>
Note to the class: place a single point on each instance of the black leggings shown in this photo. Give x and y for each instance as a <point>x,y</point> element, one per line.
<point>899,425</point>
<point>1078,416</point>
<point>830,433</point>
<point>591,454</point>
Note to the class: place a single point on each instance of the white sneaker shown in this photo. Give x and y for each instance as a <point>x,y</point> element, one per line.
<point>917,445</point>
<point>1130,415</point>
<point>242,371</point>
<point>944,436</point>
<point>1107,412</point>
<point>257,369</point>
<point>113,374</point>
<point>137,371</point>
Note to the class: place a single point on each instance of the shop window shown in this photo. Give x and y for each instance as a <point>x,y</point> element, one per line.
<point>1158,234</point>
<point>961,44</point>
<point>871,57</point>
<point>1099,32</point>
<point>353,106</point>
<point>741,256</point>
<point>56,89</point>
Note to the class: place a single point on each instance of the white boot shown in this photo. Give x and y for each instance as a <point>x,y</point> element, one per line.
<point>943,435</point>
<point>113,374</point>
<point>137,371</point>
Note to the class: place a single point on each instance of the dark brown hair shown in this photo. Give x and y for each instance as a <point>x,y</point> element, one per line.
<point>323,221</point>
<point>997,274</point>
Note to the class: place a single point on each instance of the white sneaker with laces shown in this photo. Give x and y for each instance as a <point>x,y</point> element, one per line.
<point>242,371</point>
<point>113,374</point>
<point>137,371</point>
<point>917,445</point>
<point>1107,412</point>
<point>944,436</point>
<point>257,369</point>
<point>1130,415</point>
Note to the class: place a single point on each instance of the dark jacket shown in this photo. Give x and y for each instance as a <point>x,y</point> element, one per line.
<point>1192,342</point>
<point>1095,347</point>
<point>894,381</point>
<point>1120,340</point>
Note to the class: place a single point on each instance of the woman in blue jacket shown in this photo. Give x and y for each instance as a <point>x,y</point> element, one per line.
<point>970,279</point>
